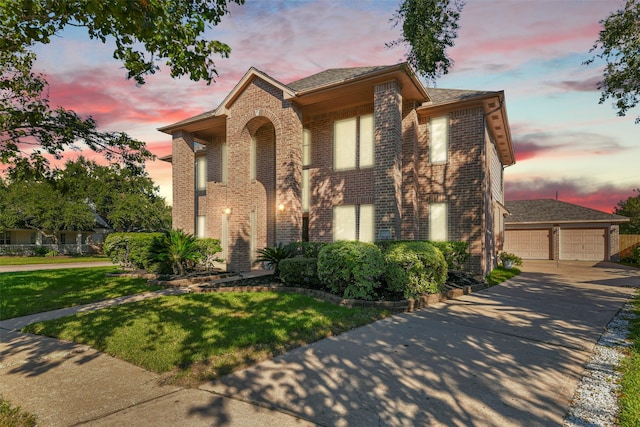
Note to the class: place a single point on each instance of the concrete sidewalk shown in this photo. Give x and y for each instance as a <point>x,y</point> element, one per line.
<point>33,267</point>
<point>510,355</point>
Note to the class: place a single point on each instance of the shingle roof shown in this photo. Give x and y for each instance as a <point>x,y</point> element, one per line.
<point>555,211</point>
<point>444,96</point>
<point>333,75</point>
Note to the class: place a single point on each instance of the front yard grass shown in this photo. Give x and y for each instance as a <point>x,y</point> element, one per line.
<point>30,260</point>
<point>198,337</point>
<point>29,292</point>
<point>500,274</point>
<point>629,400</point>
<point>12,416</point>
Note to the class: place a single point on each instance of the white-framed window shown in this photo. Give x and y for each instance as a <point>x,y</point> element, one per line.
<point>253,237</point>
<point>438,139</point>
<point>201,226</point>
<point>252,160</point>
<point>224,238</point>
<point>353,222</point>
<point>223,162</point>
<point>5,238</point>
<point>367,141</point>
<point>353,136</point>
<point>438,222</point>
<point>306,147</point>
<point>201,173</point>
<point>306,191</point>
<point>366,225</point>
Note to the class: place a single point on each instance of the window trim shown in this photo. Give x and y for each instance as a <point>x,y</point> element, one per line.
<point>432,157</point>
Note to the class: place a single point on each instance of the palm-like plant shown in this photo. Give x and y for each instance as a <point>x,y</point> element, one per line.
<point>273,255</point>
<point>179,249</point>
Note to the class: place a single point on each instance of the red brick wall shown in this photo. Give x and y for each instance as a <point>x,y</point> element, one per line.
<point>329,188</point>
<point>458,182</point>
<point>183,169</point>
<point>388,171</point>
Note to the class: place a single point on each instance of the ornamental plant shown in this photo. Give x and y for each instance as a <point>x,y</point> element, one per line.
<point>414,269</point>
<point>351,269</point>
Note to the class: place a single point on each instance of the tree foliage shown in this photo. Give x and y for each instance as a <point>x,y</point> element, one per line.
<point>429,27</point>
<point>145,33</point>
<point>630,208</point>
<point>619,45</point>
<point>69,198</point>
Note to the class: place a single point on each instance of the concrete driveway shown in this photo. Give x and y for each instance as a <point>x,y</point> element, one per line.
<point>511,355</point>
<point>507,356</point>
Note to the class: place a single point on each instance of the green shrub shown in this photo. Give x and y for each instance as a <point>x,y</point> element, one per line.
<point>636,254</point>
<point>272,256</point>
<point>456,254</point>
<point>208,249</point>
<point>414,268</point>
<point>299,271</point>
<point>351,269</point>
<point>177,249</point>
<point>306,249</point>
<point>130,250</point>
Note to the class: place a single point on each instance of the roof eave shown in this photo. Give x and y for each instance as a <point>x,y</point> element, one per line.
<point>392,69</point>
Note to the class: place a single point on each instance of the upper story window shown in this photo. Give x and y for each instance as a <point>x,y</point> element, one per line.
<point>438,139</point>
<point>201,173</point>
<point>252,160</point>
<point>353,143</point>
<point>223,162</point>
<point>306,147</point>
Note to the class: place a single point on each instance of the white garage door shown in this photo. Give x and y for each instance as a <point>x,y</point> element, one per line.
<point>587,244</point>
<point>528,244</point>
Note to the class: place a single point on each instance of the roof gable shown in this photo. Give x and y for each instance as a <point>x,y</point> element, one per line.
<point>555,211</point>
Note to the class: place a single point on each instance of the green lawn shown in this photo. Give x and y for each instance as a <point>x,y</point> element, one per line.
<point>197,337</point>
<point>629,400</point>
<point>500,274</point>
<point>30,292</point>
<point>29,260</point>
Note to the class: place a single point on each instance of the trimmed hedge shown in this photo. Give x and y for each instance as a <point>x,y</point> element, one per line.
<point>301,272</point>
<point>351,269</point>
<point>455,253</point>
<point>414,268</point>
<point>305,249</point>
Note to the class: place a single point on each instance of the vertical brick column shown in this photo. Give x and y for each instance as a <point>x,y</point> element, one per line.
<point>388,160</point>
<point>183,168</point>
<point>614,242</point>
<point>289,177</point>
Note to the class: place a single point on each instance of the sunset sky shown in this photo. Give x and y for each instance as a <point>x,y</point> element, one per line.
<point>564,141</point>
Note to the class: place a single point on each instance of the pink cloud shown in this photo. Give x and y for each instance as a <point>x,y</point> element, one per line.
<point>603,198</point>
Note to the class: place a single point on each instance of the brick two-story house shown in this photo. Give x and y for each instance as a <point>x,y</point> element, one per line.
<point>362,153</point>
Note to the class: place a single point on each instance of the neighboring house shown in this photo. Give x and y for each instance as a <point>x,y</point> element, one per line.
<point>25,241</point>
<point>362,153</point>
<point>550,229</point>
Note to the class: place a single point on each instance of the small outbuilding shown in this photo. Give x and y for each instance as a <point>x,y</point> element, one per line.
<point>551,229</point>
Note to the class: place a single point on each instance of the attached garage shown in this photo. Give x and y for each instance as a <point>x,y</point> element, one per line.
<point>551,229</point>
<point>584,244</point>
<point>529,244</point>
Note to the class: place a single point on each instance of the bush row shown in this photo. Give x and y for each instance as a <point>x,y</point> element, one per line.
<point>173,251</point>
<point>387,270</point>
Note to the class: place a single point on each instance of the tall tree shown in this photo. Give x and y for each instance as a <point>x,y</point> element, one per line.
<point>619,46</point>
<point>146,33</point>
<point>429,27</point>
<point>631,209</point>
